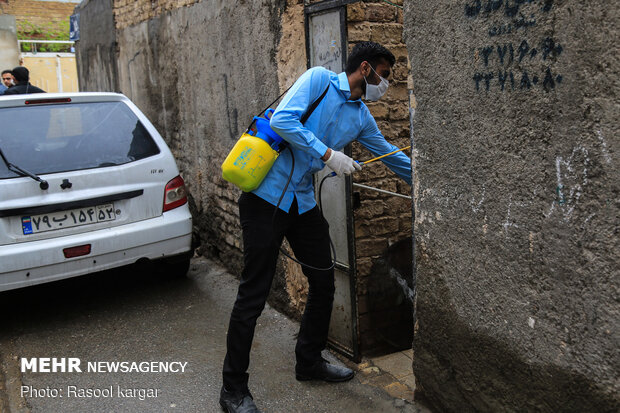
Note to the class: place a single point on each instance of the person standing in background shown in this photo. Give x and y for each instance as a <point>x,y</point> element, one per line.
<point>22,86</point>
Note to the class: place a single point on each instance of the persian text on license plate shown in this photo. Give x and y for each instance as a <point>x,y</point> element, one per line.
<point>67,219</point>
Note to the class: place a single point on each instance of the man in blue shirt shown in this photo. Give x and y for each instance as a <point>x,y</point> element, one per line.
<point>339,118</point>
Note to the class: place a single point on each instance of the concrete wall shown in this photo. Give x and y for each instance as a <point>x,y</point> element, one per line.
<point>517,203</point>
<point>9,54</point>
<point>96,50</point>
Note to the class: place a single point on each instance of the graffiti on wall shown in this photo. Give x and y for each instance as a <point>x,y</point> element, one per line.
<point>572,178</point>
<point>503,64</point>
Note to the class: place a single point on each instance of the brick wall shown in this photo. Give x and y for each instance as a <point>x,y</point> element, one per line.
<point>130,12</point>
<point>381,220</point>
<point>45,14</point>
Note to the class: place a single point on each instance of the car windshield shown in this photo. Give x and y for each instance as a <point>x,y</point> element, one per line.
<point>59,138</point>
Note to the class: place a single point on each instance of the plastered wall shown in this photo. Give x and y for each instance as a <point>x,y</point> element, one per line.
<point>517,203</point>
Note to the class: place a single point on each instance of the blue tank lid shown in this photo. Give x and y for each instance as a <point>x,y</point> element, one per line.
<point>264,131</point>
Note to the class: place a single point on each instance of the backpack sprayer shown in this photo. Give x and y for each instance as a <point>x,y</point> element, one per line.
<point>253,155</point>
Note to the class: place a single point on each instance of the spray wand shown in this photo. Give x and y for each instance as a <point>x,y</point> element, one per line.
<point>377,158</point>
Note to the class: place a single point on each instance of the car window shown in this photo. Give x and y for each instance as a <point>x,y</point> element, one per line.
<point>59,138</point>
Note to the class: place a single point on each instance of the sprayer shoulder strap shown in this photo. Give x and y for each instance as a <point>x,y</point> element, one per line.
<point>313,106</point>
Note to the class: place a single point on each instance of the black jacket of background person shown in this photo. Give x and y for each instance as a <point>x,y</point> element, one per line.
<point>22,88</point>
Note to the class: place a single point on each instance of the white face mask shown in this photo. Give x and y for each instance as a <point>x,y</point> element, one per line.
<point>374,92</point>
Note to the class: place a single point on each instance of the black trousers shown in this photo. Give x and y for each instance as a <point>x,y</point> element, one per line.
<point>308,236</point>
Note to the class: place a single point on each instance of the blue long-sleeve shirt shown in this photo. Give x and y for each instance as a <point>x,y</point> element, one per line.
<point>335,122</point>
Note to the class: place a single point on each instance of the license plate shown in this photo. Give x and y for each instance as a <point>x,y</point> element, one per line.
<point>67,219</point>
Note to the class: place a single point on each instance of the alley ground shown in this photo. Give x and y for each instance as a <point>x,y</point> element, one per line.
<point>125,316</point>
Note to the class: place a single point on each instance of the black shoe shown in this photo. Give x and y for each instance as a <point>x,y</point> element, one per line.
<point>322,370</point>
<point>237,402</point>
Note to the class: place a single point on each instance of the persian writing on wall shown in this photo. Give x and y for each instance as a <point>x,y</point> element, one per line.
<point>515,57</point>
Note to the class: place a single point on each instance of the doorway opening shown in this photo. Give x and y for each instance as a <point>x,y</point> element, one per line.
<point>390,301</point>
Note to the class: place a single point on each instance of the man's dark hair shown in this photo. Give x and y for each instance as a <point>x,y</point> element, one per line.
<point>6,71</point>
<point>21,74</point>
<point>368,51</point>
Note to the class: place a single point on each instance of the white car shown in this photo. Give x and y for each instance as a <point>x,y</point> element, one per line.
<point>86,184</point>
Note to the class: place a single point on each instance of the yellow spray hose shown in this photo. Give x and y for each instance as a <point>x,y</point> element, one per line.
<point>375,159</point>
<point>383,156</point>
<point>377,189</point>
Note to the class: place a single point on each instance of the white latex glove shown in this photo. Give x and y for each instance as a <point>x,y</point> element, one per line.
<point>341,164</point>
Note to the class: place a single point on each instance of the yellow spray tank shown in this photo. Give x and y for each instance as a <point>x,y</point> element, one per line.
<point>253,155</point>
